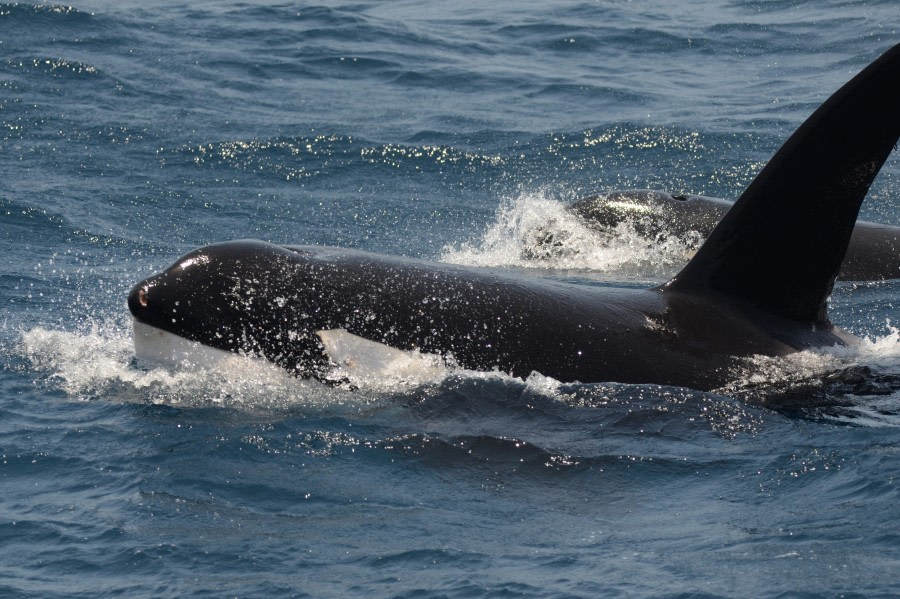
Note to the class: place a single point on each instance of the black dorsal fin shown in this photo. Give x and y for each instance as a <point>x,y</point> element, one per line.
<point>782,243</point>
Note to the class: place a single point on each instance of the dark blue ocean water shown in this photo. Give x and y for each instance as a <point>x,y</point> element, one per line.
<point>131,132</point>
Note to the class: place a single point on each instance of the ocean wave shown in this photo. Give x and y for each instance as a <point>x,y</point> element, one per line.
<point>326,155</point>
<point>56,67</point>
<point>17,10</point>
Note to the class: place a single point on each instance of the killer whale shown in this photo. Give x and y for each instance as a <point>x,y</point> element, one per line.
<point>758,285</point>
<point>873,252</point>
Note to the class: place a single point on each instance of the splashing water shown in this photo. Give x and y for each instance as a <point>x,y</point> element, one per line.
<point>863,381</point>
<point>536,231</point>
<point>100,362</point>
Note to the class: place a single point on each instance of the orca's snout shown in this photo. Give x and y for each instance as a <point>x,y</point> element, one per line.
<point>139,299</point>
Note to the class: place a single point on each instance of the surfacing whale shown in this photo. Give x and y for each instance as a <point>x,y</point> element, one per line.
<point>758,285</point>
<point>873,253</point>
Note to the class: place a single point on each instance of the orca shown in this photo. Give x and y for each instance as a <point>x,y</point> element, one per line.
<point>758,285</point>
<point>873,253</point>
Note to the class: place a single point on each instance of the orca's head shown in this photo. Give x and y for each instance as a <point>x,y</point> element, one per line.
<point>231,296</point>
<point>176,300</point>
<point>653,214</point>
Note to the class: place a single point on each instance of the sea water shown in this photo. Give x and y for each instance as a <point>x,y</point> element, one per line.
<point>132,132</point>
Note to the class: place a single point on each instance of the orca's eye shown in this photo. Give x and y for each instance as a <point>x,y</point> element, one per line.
<point>142,298</point>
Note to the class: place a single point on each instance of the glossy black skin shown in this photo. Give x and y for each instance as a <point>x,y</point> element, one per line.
<point>263,299</point>
<point>872,255</point>
<point>759,284</point>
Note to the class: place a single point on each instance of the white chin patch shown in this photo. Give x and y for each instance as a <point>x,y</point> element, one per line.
<point>167,349</point>
<point>369,363</point>
<point>360,361</point>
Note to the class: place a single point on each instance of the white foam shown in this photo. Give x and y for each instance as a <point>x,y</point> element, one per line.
<point>100,364</point>
<point>881,352</point>
<point>873,390</point>
<point>536,231</point>
<point>105,362</point>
